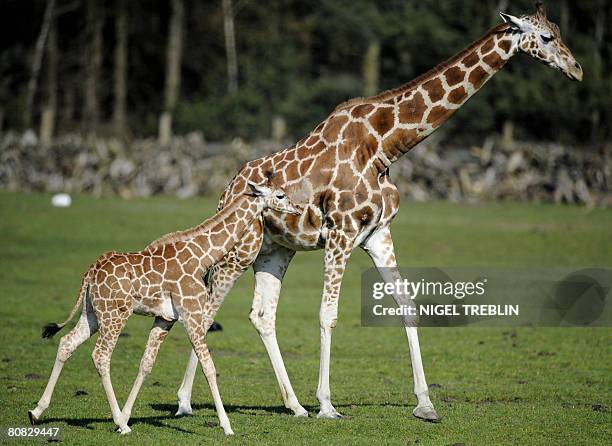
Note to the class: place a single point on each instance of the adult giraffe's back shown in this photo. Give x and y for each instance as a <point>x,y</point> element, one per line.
<point>340,173</point>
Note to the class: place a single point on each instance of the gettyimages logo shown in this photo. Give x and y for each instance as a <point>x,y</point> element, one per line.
<point>487,297</point>
<point>458,290</point>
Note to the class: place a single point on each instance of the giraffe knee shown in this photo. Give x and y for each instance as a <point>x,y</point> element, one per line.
<point>209,369</point>
<point>65,349</point>
<point>264,322</point>
<point>328,323</point>
<point>146,365</point>
<point>101,361</point>
<point>328,318</point>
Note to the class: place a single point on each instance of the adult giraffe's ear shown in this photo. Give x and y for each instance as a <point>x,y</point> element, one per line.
<point>514,22</point>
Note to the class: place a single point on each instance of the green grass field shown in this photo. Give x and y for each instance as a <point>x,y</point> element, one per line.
<point>491,386</point>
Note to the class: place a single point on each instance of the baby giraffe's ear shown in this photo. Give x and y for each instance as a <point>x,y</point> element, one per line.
<point>540,9</point>
<point>257,190</point>
<point>269,174</point>
<point>514,22</point>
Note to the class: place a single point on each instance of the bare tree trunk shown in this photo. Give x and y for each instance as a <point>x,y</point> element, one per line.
<point>68,105</point>
<point>279,128</point>
<point>121,52</point>
<point>564,16</point>
<point>174,54</point>
<point>230,46</point>
<point>36,62</point>
<point>47,123</point>
<point>371,68</point>
<point>600,27</point>
<point>91,114</point>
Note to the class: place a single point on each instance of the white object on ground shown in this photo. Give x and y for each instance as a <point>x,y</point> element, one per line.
<point>61,200</point>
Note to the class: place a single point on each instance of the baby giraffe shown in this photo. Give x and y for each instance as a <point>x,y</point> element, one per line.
<point>164,281</point>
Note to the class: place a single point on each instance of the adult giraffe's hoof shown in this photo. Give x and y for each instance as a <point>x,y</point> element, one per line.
<point>300,412</point>
<point>426,413</point>
<point>330,414</point>
<point>124,430</point>
<point>184,410</point>
<point>33,419</point>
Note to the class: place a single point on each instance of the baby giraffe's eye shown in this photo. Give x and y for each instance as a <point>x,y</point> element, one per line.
<point>280,196</point>
<point>547,38</point>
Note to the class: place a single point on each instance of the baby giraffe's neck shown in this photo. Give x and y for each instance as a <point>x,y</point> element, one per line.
<point>207,225</point>
<point>226,228</point>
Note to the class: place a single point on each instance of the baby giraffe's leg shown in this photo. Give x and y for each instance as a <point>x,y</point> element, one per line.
<point>82,331</point>
<point>158,333</point>
<point>192,315</point>
<point>196,334</point>
<point>110,329</point>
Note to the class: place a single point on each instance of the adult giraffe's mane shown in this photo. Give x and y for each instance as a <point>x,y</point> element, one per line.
<point>390,94</point>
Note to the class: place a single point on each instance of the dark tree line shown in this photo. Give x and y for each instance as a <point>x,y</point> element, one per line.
<point>254,69</point>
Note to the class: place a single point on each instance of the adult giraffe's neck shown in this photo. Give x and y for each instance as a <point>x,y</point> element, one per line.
<point>424,104</point>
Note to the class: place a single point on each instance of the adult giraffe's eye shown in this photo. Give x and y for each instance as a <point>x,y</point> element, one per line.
<point>280,196</point>
<point>546,39</point>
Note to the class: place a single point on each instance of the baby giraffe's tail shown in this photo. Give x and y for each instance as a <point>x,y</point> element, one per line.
<point>50,329</point>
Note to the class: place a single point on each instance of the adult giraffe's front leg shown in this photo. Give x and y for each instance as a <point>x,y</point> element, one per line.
<point>338,247</point>
<point>270,268</point>
<point>380,248</point>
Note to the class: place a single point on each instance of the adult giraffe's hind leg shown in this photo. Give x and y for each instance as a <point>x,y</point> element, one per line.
<point>380,248</point>
<point>270,268</point>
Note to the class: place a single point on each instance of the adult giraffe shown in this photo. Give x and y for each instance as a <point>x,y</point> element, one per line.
<point>341,171</point>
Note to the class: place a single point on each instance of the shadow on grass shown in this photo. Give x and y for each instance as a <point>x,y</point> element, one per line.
<point>230,408</point>
<point>171,408</point>
<point>156,421</point>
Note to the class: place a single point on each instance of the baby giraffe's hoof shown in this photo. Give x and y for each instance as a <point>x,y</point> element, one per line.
<point>228,431</point>
<point>426,413</point>
<point>33,419</point>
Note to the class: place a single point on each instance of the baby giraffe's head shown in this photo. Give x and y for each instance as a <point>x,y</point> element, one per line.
<point>274,198</point>
<point>541,39</point>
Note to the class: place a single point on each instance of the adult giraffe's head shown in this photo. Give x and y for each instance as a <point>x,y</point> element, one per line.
<point>541,39</point>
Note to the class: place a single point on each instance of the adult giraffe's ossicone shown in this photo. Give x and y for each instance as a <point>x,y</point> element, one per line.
<point>340,172</point>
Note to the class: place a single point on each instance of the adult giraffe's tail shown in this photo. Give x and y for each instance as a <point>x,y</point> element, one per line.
<point>50,329</point>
